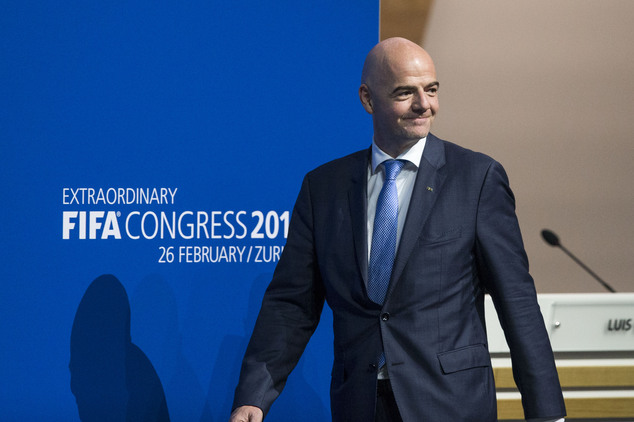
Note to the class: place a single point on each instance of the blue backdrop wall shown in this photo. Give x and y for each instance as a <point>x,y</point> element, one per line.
<point>162,143</point>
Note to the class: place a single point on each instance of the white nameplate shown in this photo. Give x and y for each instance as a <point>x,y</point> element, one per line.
<point>578,322</point>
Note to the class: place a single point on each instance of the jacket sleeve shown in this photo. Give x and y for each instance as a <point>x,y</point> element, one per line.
<point>289,315</point>
<point>503,269</point>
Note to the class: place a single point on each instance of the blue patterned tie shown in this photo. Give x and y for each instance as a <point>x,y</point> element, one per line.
<point>383,247</point>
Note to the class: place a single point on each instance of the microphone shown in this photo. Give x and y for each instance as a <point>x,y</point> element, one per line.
<point>553,240</point>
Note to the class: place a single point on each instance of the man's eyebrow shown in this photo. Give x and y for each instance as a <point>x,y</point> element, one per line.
<point>403,88</point>
<point>434,84</point>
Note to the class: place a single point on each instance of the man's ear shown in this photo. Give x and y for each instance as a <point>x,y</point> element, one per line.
<point>366,98</point>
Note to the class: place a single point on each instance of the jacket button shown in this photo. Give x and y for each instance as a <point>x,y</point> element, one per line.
<point>385,316</point>
<point>373,366</point>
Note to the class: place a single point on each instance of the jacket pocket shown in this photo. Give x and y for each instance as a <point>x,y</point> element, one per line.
<point>475,356</point>
<point>440,237</point>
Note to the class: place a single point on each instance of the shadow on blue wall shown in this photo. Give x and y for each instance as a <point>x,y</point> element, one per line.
<point>155,328</point>
<point>298,402</point>
<point>111,378</point>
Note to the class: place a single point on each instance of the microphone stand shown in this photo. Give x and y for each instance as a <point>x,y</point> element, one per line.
<point>585,267</point>
<point>552,239</point>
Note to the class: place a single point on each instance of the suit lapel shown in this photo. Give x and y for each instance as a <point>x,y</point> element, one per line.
<point>358,210</point>
<point>429,182</point>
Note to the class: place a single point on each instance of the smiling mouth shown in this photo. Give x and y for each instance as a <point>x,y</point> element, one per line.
<point>418,119</point>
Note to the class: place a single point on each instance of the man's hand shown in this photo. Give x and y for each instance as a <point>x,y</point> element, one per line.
<point>247,414</point>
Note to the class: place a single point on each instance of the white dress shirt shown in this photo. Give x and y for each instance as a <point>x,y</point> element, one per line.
<point>404,184</point>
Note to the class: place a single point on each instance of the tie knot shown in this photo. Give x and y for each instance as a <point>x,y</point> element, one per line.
<point>393,168</point>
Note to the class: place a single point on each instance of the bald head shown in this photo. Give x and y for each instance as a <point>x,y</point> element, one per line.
<point>399,89</point>
<point>391,53</point>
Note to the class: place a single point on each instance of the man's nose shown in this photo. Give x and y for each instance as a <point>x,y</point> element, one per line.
<point>420,103</point>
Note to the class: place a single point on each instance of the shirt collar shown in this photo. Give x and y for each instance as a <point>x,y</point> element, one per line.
<point>412,155</point>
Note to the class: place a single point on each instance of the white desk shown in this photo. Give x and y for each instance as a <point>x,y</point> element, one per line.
<point>592,336</point>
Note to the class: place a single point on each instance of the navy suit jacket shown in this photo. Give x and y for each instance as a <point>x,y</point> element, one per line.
<point>461,239</point>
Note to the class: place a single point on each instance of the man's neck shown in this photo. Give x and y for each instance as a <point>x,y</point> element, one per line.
<point>394,149</point>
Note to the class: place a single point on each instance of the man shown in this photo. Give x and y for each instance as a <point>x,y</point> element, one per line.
<point>403,251</point>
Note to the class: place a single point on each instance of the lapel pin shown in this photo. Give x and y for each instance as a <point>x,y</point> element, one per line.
<point>429,188</point>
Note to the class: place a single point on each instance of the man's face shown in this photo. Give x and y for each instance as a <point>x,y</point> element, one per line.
<point>402,98</point>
